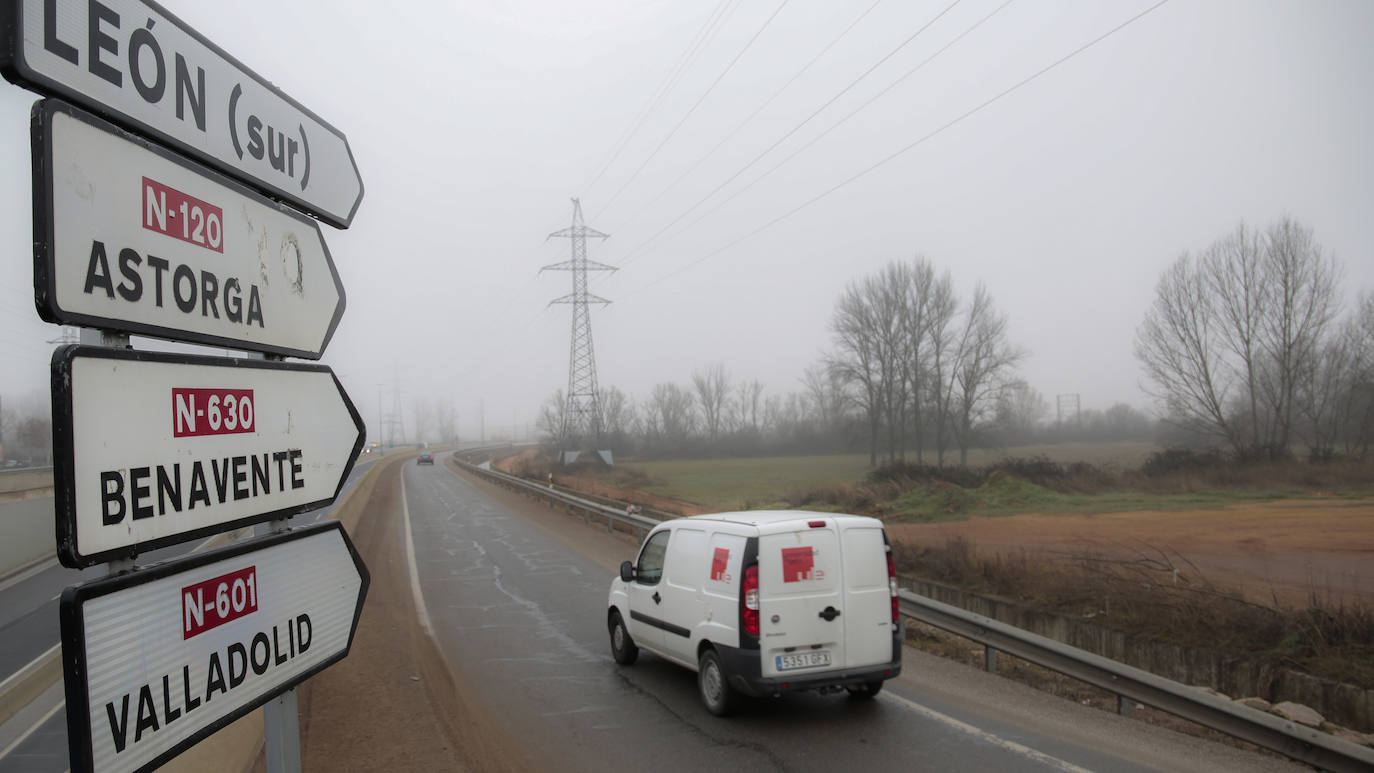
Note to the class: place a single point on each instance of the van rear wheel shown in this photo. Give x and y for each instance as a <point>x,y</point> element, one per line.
<point>865,690</point>
<point>711,683</point>
<point>623,648</point>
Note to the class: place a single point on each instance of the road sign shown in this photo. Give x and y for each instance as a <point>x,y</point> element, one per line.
<point>132,61</point>
<point>158,659</point>
<point>151,449</point>
<point>131,237</point>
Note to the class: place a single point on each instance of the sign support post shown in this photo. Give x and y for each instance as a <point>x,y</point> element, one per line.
<point>281,716</point>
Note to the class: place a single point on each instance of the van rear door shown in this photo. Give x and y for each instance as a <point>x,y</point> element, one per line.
<point>801,603</point>
<point>867,597</point>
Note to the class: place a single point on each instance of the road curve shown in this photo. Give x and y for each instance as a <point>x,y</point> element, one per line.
<point>515,594</point>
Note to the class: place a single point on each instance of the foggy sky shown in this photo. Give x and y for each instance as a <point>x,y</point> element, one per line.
<point>474,122</point>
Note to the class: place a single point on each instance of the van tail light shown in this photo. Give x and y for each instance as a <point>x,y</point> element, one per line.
<point>749,601</point>
<point>892,586</point>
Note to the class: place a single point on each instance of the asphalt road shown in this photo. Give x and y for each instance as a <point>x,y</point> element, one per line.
<point>35,741</point>
<point>516,595</point>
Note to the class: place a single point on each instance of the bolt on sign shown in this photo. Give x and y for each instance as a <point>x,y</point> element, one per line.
<point>131,237</point>
<point>217,634</point>
<point>151,449</point>
<point>142,67</point>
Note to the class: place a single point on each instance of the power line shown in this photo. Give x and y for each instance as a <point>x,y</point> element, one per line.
<point>837,124</point>
<point>630,255</point>
<point>694,107</point>
<point>735,131</point>
<point>912,145</point>
<point>689,56</point>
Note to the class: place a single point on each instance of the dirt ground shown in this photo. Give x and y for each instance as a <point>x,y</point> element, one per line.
<point>1285,550</point>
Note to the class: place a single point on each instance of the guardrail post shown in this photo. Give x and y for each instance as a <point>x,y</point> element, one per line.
<point>1124,705</point>
<point>989,659</point>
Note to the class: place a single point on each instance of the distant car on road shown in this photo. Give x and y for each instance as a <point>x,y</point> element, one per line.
<point>425,459</point>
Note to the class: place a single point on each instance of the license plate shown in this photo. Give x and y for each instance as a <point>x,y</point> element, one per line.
<point>803,660</point>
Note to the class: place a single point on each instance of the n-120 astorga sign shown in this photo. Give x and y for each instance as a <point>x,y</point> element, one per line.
<point>131,237</point>
<point>141,66</point>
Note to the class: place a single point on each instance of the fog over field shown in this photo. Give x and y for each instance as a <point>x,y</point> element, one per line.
<point>1066,191</point>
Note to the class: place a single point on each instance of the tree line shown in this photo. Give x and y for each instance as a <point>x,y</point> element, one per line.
<point>912,368</point>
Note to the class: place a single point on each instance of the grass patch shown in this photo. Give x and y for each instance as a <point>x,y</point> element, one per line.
<point>747,483</point>
<point>1010,495</point>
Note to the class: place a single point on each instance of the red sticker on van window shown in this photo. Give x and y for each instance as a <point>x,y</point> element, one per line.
<point>797,564</point>
<point>718,562</point>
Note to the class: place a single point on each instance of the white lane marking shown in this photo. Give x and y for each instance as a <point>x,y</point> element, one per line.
<point>24,736</point>
<point>964,727</point>
<point>18,577</point>
<point>421,610</point>
<point>33,665</point>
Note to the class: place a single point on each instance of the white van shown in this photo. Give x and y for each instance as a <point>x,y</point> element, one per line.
<point>763,603</point>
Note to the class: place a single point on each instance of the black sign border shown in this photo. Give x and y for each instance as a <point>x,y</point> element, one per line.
<point>16,70</point>
<point>80,742</point>
<point>64,450</point>
<point>44,238</point>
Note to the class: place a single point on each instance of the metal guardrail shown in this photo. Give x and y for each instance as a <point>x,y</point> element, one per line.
<point>614,516</point>
<point>1131,685</point>
<point>1296,741</point>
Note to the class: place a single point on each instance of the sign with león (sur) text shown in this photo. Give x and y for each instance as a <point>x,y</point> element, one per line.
<point>158,659</point>
<point>134,62</point>
<point>131,237</point>
<point>151,449</point>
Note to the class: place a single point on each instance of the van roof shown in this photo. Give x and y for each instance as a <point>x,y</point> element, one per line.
<point>761,518</point>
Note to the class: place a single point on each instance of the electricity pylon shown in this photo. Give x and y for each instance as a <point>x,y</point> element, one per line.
<point>582,409</point>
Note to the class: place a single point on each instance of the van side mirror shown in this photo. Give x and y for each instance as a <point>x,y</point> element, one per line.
<point>627,571</point>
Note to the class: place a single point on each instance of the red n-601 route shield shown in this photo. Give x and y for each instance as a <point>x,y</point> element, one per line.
<point>150,449</point>
<point>158,659</point>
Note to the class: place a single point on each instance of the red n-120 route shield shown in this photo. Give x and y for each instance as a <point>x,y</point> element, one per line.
<point>157,659</point>
<point>151,448</point>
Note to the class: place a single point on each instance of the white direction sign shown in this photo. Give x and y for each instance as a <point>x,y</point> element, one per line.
<point>158,659</point>
<point>139,65</point>
<point>151,449</point>
<point>131,237</point>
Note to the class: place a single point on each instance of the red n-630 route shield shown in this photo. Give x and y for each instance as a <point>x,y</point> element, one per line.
<point>157,659</point>
<point>152,449</point>
<point>131,237</point>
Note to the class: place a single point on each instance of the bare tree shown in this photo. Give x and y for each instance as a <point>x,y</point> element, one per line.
<point>984,361</point>
<point>916,322</point>
<point>1019,411</point>
<point>1233,335</point>
<point>1303,284</point>
<point>940,338</point>
<point>617,412</point>
<point>1182,354</point>
<point>857,358</point>
<point>550,420</point>
<point>670,413</point>
<point>746,406</point>
<point>713,392</point>
<point>826,393</point>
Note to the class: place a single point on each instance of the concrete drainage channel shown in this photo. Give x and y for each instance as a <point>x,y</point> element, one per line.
<point>1131,685</point>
